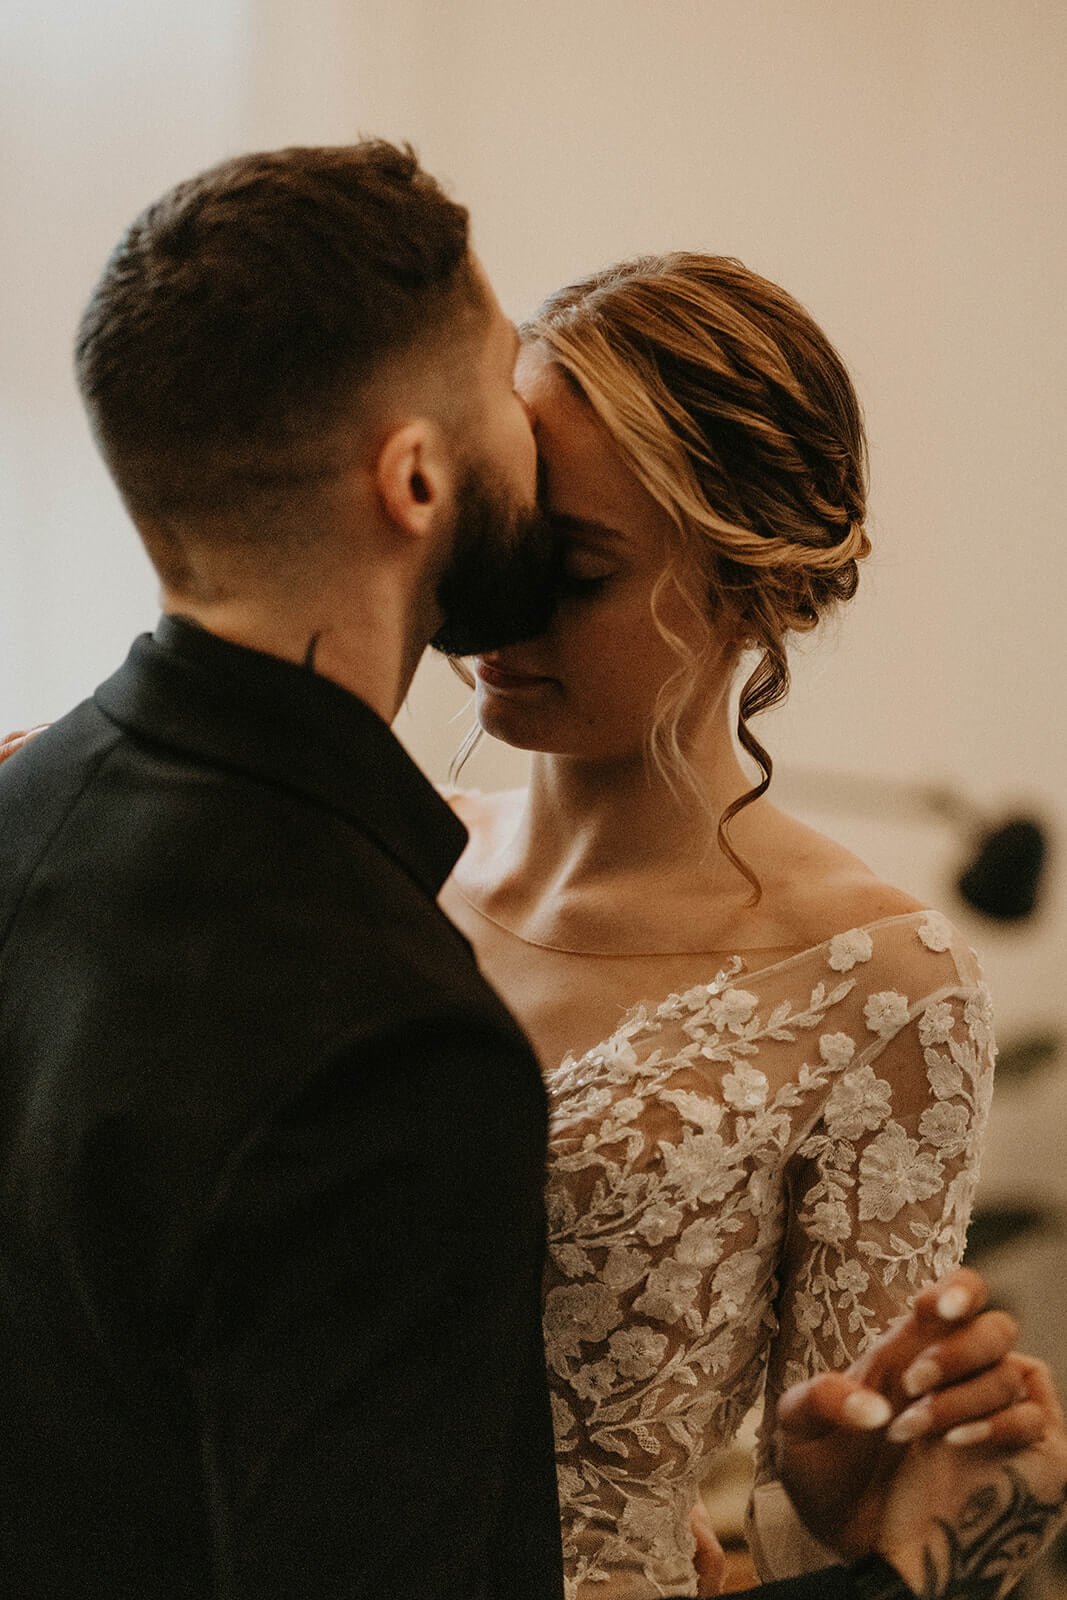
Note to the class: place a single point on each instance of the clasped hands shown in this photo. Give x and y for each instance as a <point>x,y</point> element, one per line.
<point>941,1448</point>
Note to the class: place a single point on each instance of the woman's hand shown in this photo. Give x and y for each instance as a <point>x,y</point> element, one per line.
<point>14,741</point>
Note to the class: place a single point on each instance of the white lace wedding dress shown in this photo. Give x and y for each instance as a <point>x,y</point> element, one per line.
<point>746,1183</point>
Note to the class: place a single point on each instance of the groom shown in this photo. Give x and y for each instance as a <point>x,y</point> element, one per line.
<point>271,1150</point>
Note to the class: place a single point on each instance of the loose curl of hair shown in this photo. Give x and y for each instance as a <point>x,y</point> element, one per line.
<point>734,411</point>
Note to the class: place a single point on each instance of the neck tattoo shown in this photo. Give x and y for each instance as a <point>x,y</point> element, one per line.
<point>309,653</point>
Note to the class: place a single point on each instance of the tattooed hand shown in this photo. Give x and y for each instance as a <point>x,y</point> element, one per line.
<point>941,1449</point>
<point>969,1521</point>
<point>948,1365</point>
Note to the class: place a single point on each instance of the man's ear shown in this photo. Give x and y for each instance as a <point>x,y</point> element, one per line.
<point>414,476</point>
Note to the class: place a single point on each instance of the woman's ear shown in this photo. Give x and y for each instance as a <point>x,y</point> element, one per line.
<point>414,476</point>
<point>734,628</point>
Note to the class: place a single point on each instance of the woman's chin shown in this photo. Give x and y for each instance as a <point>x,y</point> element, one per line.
<point>502,720</point>
<point>506,730</point>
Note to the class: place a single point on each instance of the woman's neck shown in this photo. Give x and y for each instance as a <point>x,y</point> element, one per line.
<point>584,821</point>
<point>592,841</point>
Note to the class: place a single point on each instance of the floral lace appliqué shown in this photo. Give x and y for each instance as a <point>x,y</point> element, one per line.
<point>674,1291</point>
<point>848,948</point>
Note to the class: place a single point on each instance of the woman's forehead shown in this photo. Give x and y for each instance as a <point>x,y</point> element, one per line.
<point>587,483</point>
<point>577,450</point>
<point>538,377</point>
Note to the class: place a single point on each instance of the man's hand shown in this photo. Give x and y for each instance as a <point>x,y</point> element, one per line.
<point>970,1521</point>
<point>14,741</point>
<point>946,1368</point>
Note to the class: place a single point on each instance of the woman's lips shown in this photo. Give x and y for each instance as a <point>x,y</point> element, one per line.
<point>497,678</point>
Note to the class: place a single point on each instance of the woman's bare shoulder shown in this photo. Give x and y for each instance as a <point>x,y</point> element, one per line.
<point>823,889</point>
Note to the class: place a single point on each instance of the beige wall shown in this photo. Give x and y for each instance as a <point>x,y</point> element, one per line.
<point>896,165</point>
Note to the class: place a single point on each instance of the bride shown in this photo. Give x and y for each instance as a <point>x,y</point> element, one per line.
<point>769,1070</point>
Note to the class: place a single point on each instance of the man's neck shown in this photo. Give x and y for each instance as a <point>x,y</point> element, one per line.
<point>367,649</point>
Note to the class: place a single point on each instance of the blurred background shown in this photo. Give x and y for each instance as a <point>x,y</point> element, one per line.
<point>897,166</point>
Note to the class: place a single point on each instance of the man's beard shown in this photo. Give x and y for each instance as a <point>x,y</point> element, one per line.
<point>500,584</point>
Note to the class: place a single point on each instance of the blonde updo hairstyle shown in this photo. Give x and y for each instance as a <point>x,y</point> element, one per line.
<point>734,411</point>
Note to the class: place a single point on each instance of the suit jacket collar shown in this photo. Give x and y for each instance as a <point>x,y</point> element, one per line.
<point>247,712</point>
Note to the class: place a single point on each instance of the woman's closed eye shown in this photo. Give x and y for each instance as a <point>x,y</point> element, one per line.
<point>585,572</point>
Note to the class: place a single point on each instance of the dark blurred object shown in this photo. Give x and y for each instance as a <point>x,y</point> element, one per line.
<point>1004,877</point>
<point>1021,1058</point>
<point>994,1226</point>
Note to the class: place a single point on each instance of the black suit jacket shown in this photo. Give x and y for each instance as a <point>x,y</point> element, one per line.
<point>271,1156</point>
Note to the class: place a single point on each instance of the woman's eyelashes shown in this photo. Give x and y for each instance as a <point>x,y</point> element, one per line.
<point>584,573</point>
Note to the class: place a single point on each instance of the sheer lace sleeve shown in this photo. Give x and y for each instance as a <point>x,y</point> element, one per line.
<point>751,1179</point>
<point>881,1186</point>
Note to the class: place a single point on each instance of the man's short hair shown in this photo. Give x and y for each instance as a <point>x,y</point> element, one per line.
<point>241,317</point>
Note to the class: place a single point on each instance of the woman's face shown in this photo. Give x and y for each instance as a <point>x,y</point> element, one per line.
<point>588,686</point>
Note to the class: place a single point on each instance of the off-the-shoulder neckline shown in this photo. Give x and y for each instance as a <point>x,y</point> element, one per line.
<point>722,955</point>
<point>723,982</point>
<point>923,913</point>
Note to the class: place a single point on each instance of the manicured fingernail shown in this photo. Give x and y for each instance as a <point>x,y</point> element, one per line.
<point>969,1433</point>
<point>865,1409</point>
<point>953,1303</point>
<point>698,1515</point>
<point>923,1375</point>
<point>911,1424</point>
